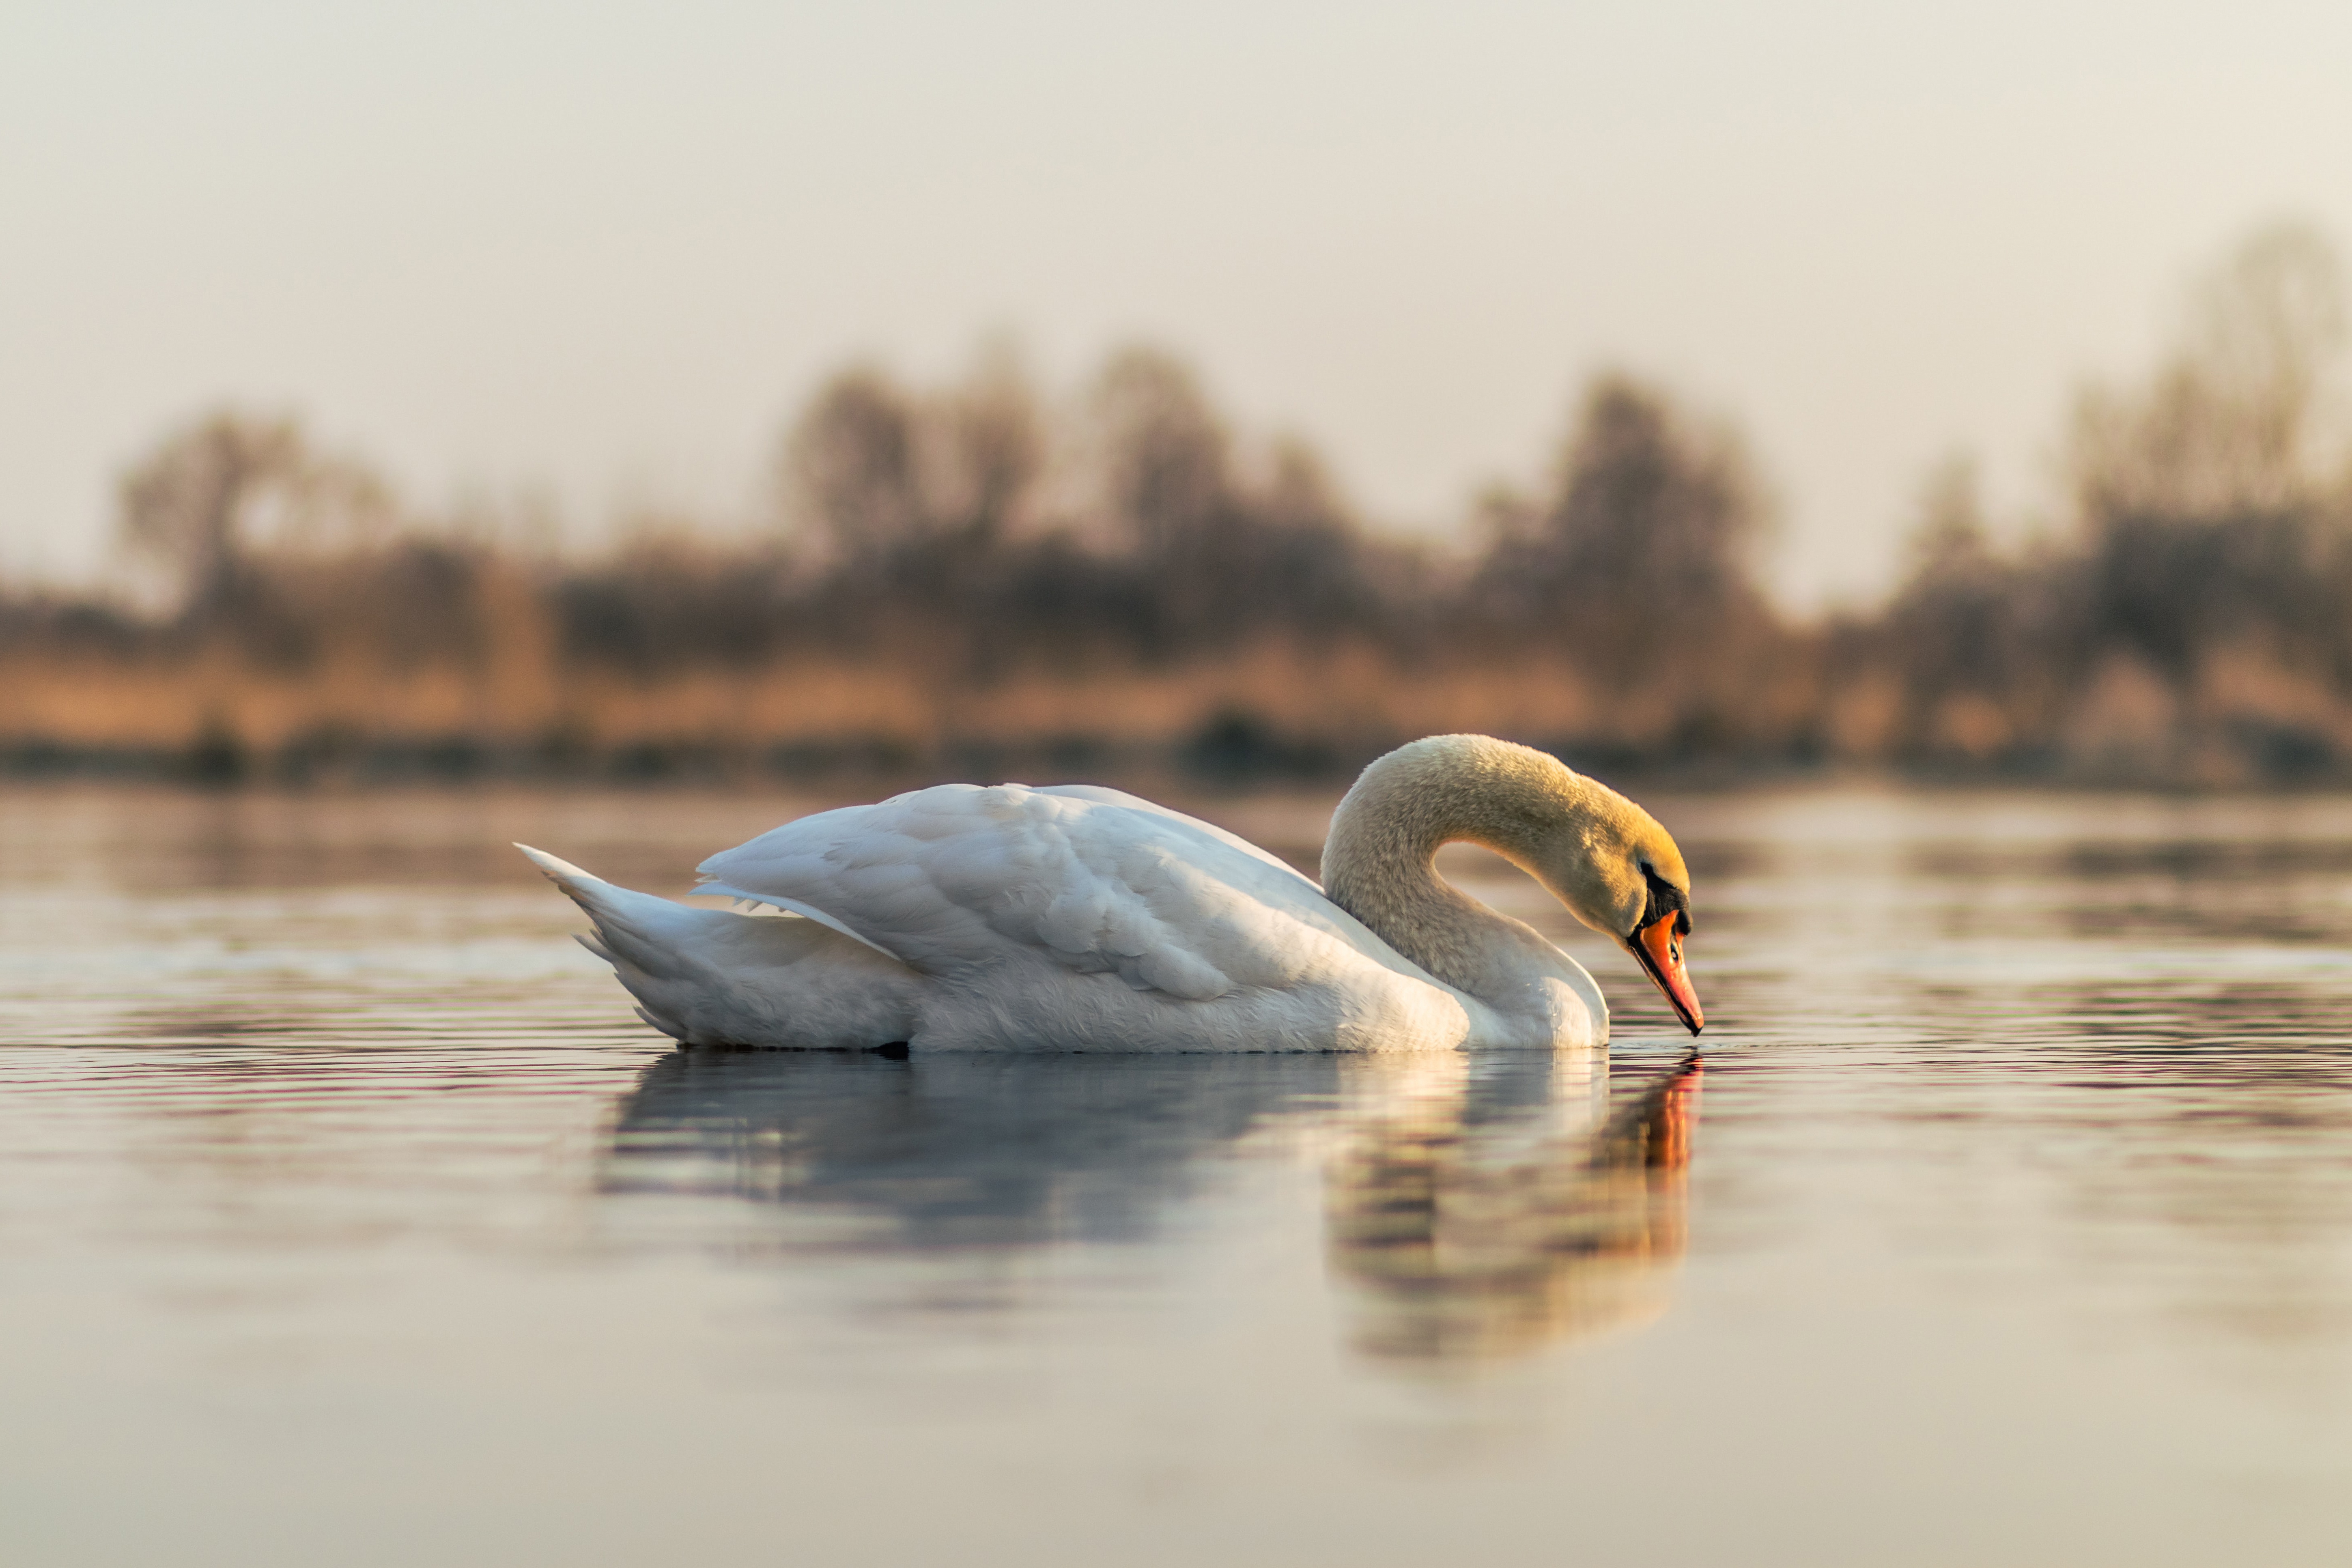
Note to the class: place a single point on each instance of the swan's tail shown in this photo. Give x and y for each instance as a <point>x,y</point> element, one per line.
<point>711,977</point>
<point>643,938</point>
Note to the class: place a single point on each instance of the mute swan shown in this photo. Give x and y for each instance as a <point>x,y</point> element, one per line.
<point>1077,918</point>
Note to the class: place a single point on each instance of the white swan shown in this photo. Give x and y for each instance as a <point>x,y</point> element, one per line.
<point>1077,918</point>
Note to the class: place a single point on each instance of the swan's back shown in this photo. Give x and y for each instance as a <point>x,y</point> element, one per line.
<point>1133,909</point>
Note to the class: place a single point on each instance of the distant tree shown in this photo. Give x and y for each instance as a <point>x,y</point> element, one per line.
<point>1300,559</point>
<point>1164,454</point>
<point>1950,539</point>
<point>231,484</point>
<point>1652,509</point>
<point>1226,548</point>
<point>669,600</point>
<point>2202,496</point>
<point>1967,620</point>
<point>1645,537</point>
<point>850,470</point>
<point>2227,426</point>
<point>2206,585</point>
<point>877,472</point>
<point>991,445</point>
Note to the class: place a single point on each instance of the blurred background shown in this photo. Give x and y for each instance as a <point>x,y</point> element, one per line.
<point>731,392</point>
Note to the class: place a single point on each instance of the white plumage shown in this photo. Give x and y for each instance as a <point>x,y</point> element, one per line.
<point>1071,918</point>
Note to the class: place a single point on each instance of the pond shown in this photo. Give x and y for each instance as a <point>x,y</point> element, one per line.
<point>346,1215</point>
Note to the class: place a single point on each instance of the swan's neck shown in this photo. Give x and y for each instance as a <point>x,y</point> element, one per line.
<point>1380,862</point>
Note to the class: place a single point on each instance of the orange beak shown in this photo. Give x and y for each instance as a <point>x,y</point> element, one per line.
<point>1658,948</point>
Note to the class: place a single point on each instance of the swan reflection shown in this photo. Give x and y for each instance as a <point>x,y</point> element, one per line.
<point>953,1150</point>
<point>1480,1210</point>
<point>1474,1207</point>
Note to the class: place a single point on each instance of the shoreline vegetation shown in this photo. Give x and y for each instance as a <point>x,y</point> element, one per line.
<point>967,582</point>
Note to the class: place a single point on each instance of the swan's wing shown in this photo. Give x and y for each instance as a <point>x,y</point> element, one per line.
<point>958,877</point>
<point>1104,795</point>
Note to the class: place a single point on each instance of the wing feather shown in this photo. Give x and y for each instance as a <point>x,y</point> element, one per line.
<point>956,877</point>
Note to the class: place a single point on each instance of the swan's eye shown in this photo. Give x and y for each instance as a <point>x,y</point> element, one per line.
<point>1666,900</point>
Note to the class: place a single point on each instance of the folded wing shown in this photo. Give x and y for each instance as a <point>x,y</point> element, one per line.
<point>955,878</point>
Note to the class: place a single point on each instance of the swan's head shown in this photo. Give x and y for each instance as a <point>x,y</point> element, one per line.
<point>1608,860</point>
<point>1617,869</point>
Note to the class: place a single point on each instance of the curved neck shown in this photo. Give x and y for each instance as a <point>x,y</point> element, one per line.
<point>1380,862</point>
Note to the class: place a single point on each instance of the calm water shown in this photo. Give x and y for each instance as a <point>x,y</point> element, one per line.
<point>346,1215</point>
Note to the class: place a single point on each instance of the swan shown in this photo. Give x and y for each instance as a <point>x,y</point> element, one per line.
<point>1079,918</point>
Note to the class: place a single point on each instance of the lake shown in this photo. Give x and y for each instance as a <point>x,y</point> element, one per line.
<point>346,1215</point>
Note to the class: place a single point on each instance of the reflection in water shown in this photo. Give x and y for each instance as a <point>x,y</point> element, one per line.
<point>1485,1216</point>
<point>947,1150</point>
<point>1476,1206</point>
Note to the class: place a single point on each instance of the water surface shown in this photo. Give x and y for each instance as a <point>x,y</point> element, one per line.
<point>346,1215</point>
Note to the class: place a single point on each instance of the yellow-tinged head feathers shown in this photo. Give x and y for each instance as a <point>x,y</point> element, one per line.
<point>1610,862</point>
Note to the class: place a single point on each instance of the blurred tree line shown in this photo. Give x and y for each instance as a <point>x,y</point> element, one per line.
<point>2188,617</point>
<point>965,578</point>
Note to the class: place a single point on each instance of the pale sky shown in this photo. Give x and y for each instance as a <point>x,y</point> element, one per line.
<point>605,250</point>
